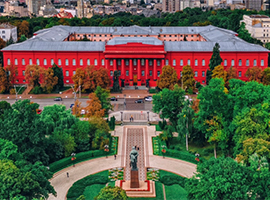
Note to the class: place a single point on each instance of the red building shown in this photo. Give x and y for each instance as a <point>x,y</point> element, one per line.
<point>137,52</point>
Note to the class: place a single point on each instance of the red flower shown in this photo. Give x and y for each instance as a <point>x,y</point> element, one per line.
<point>163,150</point>
<point>197,159</point>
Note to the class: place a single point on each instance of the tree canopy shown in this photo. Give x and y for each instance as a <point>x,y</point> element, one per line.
<point>168,78</point>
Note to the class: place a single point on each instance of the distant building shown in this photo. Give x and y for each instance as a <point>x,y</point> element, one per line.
<point>175,5</point>
<point>258,26</point>
<point>34,5</point>
<point>15,8</point>
<point>254,4</point>
<point>7,31</point>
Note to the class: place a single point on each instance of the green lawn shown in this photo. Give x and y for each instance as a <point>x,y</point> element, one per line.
<point>111,183</point>
<point>92,191</point>
<point>175,192</point>
<point>159,193</point>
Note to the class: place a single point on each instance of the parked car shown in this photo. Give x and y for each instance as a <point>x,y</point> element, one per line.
<point>139,101</point>
<point>58,99</point>
<point>148,98</point>
<point>113,99</point>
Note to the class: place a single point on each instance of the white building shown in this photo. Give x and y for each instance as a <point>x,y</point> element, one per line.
<point>7,31</point>
<point>258,26</point>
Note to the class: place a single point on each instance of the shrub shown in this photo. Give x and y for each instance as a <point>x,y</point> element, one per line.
<point>12,91</point>
<point>198,85</point>
<point>152,91</point>
<point>183,155</point>
<point>190,91</point>
<point>162,124</point>
<point>37,90</point>
<point>173,179</point>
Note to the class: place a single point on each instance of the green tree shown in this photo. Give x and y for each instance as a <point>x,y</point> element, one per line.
<point>116,87</point>
<point>214,61</point>
<point>4,85</point>
<point>169,103</point>
<point>22,38</point>
<point>168,78</point>
<point>23,127</point>
<point>111,193</point>
<point>185,121</point>
<point>266,76</point>
<point>221,178</point>
<point>58,72</point>
<point>8,150</point>
<point>103,96</point>
<point>188,77</point>
<point>4,106</point>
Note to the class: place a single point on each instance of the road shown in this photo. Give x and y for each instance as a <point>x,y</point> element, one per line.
<point>130,103</point>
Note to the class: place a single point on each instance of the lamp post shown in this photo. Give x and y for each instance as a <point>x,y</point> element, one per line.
<point>73,158</point>
<point>106,149</point>
<point>163,150</point>
<point>18,91</point>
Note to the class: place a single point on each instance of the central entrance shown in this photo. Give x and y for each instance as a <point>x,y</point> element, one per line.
<point>135,79</point>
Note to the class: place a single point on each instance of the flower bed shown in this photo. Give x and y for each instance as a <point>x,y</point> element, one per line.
<point>114,146</point>
<point>116,174</point>
<point>156,145</point>
<point>153,174</point>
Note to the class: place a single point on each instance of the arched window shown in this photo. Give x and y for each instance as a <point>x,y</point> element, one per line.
<point>232,62</point>
<point>81,62</point>
<point>225,62</point>
<point>254,63</point>
<point>174,62</point>
<point>88,61</point>
<point>188,61</point>
<point>262,62</point>
<point>102,62</point>
<point>196,62</point>
<point>52,62</point>
<point>167,62</point>
<point>66,62</point>
<point>8,61</point>
<point>247,62</point>
<point>95,61</point>
<point>74,62</point>
<point>240,62</point>
<point>181,62</point>
<point>45,61</point>
<point>38,63</point>
<point>23,61</point>
<point>30,61</point>
<point>16,61</point>
<point>59,62</point>
<point>203,62</point>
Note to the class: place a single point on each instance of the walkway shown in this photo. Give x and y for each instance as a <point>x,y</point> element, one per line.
<point>62,184</point>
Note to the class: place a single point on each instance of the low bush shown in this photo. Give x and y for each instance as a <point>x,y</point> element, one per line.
<point>36,90</point>
<point>152,91</point>
<point>66,162</point>
<point>78,187</point>
<point>173,179</point>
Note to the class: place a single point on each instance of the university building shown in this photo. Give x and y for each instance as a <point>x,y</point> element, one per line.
<point>138,53</point>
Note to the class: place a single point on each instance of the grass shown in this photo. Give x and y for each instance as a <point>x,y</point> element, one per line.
<point>90,192</point>
<point>158,128</point>
<point>21,89</point>
<point>175,192</point>
<point>159,193</point>
<point>111,183</point>
<point>61,90</point>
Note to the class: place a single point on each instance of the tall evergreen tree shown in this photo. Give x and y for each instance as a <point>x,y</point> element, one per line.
<point>58,72</point>
<point>116,87</point>
<point>214,61</point>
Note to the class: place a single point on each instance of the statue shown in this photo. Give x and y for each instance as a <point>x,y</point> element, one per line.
<point>133,159</point>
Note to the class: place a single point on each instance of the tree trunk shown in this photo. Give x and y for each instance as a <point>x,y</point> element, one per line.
<point>215,150</point>
<point>187,141</point>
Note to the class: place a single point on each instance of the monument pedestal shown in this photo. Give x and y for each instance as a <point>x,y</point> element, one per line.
<point>134,176</point>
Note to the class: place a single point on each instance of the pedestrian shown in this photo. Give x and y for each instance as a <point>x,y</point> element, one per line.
<point>130,119</point>
<point>67,175</point>
<point>114,156</point>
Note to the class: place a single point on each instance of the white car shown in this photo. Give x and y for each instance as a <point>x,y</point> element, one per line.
<point>149,98</point>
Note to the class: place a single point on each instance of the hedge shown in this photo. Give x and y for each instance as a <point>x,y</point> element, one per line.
<point>182,155</point>
<point>173,179</point>
<point>152,90</point>
<point>66,162</point>
<point>78,187</point>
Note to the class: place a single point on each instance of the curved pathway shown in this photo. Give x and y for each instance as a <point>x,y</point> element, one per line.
<point>61,183</point>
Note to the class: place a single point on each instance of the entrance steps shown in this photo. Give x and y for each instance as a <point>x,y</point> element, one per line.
<point>135,123</point>
<point>135,88</point>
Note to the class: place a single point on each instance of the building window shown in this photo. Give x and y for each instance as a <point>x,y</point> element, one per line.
<point>240,74</point>
<point>111,73</point>
<point>16,61</point>
<point>247,62</point>
<point>23,61</point>
<point>127,62</point>
<point>3,31</point>
<point>102,62</point>
<point>262,62</point>
<point>142,72</point>
<point>59,62</point>
<point>38,63</point>
<point>203,81</point>
<point>203,62</point>
<point>196,62</point>
<point>150,62</point>
<point>254,63</point>
<point>158,62</point>
<point>203,73</point>
<point>8,61</point>
<point>127,73</point>
<point>88,61</point>
<point>95,61</point>
<point>180,74</point>
<point>225,62</point>
<point>74,62</point>
<point>23,73</point>
<point>181,62</point>
<point>67,81</point>
<point>150,73</point>
<point>111,62</point>
<point>142,61</point>
<point>67,73</point>
<point>158,73</point>
<point>118,62</point>
<point>66,62</point>
<point>232,62</point>
<point>167,62</point>
<point>135,62</point>
<point>45,61</point>
<point>240,62</point>
<point>81,62</point>
<point>74,72</point>
<point>188,61</point>
<point>196,74</point>
<point>52,62</point>
<point>174,62</point>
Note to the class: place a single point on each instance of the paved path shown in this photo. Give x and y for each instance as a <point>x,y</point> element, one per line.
<point>62,184</point>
